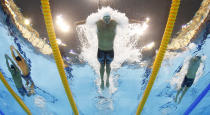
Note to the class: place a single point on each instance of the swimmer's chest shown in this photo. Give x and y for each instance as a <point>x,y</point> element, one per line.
<point>107,31</point>
<point>193,66</point>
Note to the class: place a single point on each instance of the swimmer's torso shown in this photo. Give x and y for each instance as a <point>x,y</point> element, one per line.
<point>193,67</point>
<point>106,34</point>
<point>24,67</point>
<point>16,75</point>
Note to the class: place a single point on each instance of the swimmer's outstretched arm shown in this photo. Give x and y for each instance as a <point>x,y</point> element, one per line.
<point>141,20</point>
<point>136,21</point>
<point>133,21</point>
<point>13,55</point>
<point>11,49</point>
<point>8,58</point>
<point>80,22</point>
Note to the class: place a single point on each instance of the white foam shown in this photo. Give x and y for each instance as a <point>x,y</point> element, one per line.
<point>39,101</point>
<point>125,50</point>
<point>124,44</point>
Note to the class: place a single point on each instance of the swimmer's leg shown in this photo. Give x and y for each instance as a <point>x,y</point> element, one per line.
<point>108,69</point>
<point>183,93</point>
<point>102,75</point>
<point>178,93</point>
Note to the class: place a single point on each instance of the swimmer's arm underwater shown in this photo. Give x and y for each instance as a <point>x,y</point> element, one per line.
<point>8,58</point>
<point>139,21</point>
<point>80,22</point>
<point>12,47</point>
<point>134,21</point>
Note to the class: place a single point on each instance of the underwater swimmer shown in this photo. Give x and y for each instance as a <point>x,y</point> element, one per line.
<point>24,68</point>
<point>106,31</point>
<point>189,77</point>
<point>16,76</point>
<point>106,34</point>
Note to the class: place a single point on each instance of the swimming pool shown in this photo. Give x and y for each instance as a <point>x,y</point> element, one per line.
<point>127,84</point>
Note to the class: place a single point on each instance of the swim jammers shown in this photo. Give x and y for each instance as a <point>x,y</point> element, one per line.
<point>28,78</point>
<point>105,56</point>
<point>22,91</point>
<point>187,82</point>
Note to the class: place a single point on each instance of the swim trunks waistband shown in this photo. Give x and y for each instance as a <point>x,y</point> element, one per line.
<point>187,82</point>
<point>105,57</point>
<point>107,51</point>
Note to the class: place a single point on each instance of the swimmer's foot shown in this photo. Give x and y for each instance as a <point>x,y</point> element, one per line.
<point>102,84</point>
<point>27,83</point>
<point>107,83</point>
<point>179,101</point>
<point>30,92</point>
<point>175,99</point>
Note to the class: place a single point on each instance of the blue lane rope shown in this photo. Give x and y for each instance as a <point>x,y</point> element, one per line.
<point>1,113</point>
<point>197,100</point>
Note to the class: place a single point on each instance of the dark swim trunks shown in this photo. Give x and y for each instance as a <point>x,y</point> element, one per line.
<point>105,57</point>
<point>22,91</point>
<point>187,82</point>
<point>28,77</point>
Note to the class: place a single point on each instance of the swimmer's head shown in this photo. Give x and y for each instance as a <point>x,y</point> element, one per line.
<point>107,18</point>
<point>18,58</point>
<point>12,67</point>
<point>198,57</point>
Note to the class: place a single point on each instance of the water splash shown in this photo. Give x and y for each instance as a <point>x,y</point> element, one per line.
<point>127,36</point>
<point>39,102</point>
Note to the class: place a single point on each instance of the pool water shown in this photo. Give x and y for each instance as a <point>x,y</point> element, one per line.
<point>127,83</point>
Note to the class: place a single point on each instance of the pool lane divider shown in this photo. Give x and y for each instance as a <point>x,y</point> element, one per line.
<point>1,113</point>
<point>17,98</point>
<point>197,100</point>
<point>159,58</point>
<point>56,52</point>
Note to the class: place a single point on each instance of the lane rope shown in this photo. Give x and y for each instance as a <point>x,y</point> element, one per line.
<point>163,46</point>
<point>17,98</point>
<point>56,52</point>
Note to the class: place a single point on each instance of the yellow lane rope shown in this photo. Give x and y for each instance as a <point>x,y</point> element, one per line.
<point>158,60</point>
<point>17,98</point>
<point>57,56</point>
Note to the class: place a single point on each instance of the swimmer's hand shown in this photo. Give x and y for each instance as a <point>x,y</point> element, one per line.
<point>27,83</point>
<point>12,47</point>
<point>102,85</point>
<point>31,91</point>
